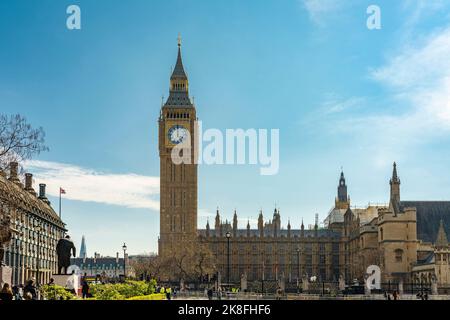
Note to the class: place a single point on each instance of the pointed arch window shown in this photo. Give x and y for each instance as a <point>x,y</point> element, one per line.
<point>398,255</point>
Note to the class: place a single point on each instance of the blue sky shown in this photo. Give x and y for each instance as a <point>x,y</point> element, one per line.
<point>341,95</point>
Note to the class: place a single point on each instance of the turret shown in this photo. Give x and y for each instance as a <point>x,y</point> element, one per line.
<point>342,199</point>
<point>261,224</point>
<point>217,223</point>
<point>289,229</point>
<point>316,225</point>
<point>395,187</point>
<point>207,228</point>
<point>235,224</point>
<point>302,230</point>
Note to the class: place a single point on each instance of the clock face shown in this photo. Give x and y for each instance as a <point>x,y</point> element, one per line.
<point>177,134</point>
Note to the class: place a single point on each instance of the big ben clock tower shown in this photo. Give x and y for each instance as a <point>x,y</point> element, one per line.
<point>178,182</point>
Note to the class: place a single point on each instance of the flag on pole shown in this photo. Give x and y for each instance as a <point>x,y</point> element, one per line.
<point>61,191</point>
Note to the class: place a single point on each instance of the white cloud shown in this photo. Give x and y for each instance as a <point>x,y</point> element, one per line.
<point>202,213</point>
<point>420,75</point>
<point>417,78</point>
<point>334,105</point>
<point>82,184</point>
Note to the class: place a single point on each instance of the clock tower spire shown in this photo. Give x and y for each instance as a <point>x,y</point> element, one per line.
<point>178,182</point>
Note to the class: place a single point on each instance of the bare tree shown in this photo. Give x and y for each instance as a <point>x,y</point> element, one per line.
<point>189,262</point>
<point>19,140</point>
<point>203,260</point>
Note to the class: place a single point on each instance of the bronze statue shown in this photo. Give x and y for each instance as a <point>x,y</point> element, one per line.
<point>64,248</point>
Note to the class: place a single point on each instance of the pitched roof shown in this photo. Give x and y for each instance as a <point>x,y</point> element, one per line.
<point>441,240</point>
<point>178,71</point>
<point>429,215</point>
<point>11,192</point>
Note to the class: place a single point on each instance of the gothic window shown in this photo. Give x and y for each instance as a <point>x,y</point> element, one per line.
<point>322,247</point>
<point>335,260</point>
<point>335,247</point>
<point>322,259</point>
<point>398,255</point>
<point>381,234</point>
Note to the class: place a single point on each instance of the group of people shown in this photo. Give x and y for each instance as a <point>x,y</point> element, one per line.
<point>167,291</point>
<point>219,293</point>
<point>395,295</point>
<point>31,292</point>
<point>21,292</point>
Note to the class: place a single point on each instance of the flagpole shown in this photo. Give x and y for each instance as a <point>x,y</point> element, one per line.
<point>60,202</point>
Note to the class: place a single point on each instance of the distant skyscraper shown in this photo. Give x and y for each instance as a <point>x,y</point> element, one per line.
<point>83,248</point>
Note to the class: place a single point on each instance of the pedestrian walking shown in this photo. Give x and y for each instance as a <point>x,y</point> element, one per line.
<point>395,295</point>
<point>210,294</point>
<point>85,289</point>
<point>30,290</point>
<point>168,293</point>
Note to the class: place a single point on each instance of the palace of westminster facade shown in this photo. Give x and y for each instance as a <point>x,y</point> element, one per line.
<point>406,239</point>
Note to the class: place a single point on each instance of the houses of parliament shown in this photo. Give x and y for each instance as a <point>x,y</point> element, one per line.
<point>406,239</point>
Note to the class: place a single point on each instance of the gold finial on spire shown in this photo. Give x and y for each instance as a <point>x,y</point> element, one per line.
<point>179,40</point>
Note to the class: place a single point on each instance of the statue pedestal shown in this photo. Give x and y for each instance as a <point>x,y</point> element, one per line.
<point>5,275</point>
<point>244,282</point>
<point>68,281</point>
<point>434,288</point>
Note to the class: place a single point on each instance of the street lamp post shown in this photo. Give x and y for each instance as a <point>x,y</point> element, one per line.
<point>95,263</point>
<point>228,234</point>
<point>124,247</point>
<point>263,272</point>
<point>117,262</point>
<point>298,269</point>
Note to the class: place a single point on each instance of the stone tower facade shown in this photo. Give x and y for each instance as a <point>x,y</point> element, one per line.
<point>441,257</point>
<point>342,200</point>
<point>178,181</point>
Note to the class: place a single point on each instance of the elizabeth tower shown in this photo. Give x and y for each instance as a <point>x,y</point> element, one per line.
<point>178,185</point>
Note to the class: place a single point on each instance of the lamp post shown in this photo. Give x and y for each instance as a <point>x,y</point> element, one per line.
<point>124,247</point>
<point>95,263</point>
<point>263,272</point>
<point>117,262</point>
<point>228,235</point>
<point>298,269</point>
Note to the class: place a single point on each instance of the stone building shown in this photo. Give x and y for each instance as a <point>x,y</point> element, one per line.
<point>34,226</point>
<point>273,253</point>
<point>389,235</point>
<point>404,238</point>
<point>102,267</point>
